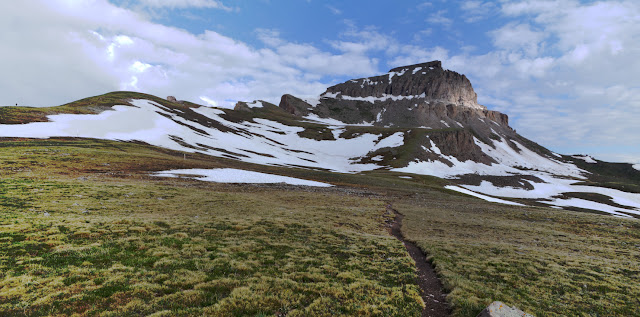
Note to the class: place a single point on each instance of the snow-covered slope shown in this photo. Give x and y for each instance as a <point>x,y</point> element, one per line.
<point>261,141</point>
<point>545,178</point>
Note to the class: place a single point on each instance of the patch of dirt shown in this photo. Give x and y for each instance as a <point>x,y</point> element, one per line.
<point>432,291</point>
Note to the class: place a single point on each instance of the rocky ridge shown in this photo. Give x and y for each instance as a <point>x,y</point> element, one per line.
<point>420,95</point>
<point>415,96</point>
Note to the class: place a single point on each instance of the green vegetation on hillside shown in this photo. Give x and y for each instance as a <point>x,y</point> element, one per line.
<point>126,244</point>
<point>547,262</point>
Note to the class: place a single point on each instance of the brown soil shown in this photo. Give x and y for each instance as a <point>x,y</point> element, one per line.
<point>432,292</point>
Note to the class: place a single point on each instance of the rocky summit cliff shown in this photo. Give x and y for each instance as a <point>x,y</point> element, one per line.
<point>415,96</point>
<point>420,95</point>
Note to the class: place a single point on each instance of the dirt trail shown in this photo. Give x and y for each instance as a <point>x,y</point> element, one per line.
<point>432,292</point>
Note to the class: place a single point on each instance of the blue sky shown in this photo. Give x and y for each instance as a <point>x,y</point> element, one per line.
<point>564,71</point>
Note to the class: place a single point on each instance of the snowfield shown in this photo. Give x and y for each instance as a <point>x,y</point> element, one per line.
<point>481,196</point>
<point>232,175</point>
<point>269,142</point>
<point>264,142</point>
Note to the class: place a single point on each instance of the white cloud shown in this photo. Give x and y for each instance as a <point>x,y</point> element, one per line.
<point>518,37</point>
<point>334,10</point>
<point>70,50</point>
<point>475,11</point>
<point>424,5</point>
<point>173,4</point>
<point>440,18</point>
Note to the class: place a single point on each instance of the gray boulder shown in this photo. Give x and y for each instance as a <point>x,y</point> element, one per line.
<point>499,309</point>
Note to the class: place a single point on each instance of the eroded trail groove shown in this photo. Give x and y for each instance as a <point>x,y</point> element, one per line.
<point>432,291</point>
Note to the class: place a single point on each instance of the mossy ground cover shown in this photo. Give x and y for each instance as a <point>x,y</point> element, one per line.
<point>119,242</point>
<point>547,262</point>
<point>129,245</point>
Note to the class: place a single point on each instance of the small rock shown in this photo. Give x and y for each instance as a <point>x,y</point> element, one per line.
<point>172,99</point>
<point>46,214</point>
<point>499,309</point>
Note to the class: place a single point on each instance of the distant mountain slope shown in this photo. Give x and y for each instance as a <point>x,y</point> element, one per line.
<point>418,119</point>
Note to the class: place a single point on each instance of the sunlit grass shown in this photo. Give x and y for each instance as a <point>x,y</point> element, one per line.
<point>128,248</point>
<point>546,262</point>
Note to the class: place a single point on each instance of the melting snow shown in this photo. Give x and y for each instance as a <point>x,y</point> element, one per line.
<point>637,166</point>
<point>330,95</point>
<point>232,175</point>
<point>446,124</point>
<point>417,69</point>
<point>274,143</point>
<point>384,97</point>
<point>585,158</point>
<point>506,157</point>
<point>587,204</point>
<point>487,198</point>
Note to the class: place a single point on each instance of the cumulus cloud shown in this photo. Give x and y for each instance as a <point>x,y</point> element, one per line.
<point>69,50</point>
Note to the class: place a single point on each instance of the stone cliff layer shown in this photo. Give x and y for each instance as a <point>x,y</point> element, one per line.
<point>426,81</point>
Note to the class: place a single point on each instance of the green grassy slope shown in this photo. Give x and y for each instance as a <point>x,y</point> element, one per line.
<point>547,262</point>
<point>126,244</point>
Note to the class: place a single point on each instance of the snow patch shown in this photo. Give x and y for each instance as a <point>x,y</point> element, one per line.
<point>585,158</point>
<point>232,175</point>
<point>487,198</point>
<point>587,204</point>
<point>637,166</point>
<point>384,97</point>
<point>443,122</point>
<point>330,95</point>
<point>417,69</point>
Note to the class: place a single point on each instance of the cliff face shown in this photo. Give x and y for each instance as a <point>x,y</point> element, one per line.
<point>420,95</point>
<point>415,96</point>
<point>426,81</point>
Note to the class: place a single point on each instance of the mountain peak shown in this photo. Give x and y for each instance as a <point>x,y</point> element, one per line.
<point>432,64</point>
<point>425,82</point>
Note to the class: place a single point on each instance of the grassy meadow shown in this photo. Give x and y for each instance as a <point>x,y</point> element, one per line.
<point>547,262</point>
<point>85,231</point>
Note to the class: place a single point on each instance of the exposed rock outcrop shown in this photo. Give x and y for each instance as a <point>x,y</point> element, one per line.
<point>295,105</point>
<point>420,95</point>
<point>416,96</point>
<point>427,81</point>
<point>499,309</point>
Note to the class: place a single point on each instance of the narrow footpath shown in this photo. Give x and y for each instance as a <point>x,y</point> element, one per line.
<point>432,291</point>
